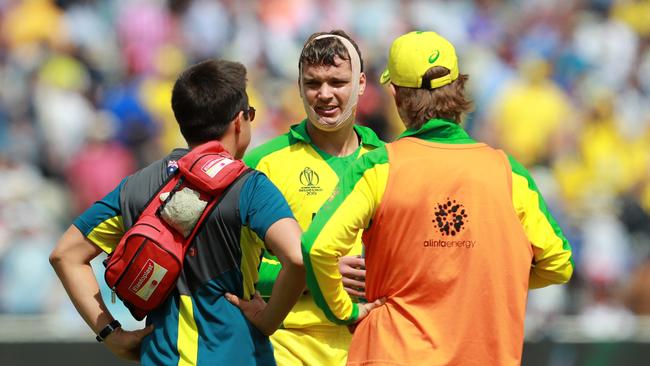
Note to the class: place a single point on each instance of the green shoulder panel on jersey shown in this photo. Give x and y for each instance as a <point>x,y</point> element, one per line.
<point>298,133</point>
<point>253,157</point>
<point>368,136</point>
<point>345,186</point>
<point>520,170</point>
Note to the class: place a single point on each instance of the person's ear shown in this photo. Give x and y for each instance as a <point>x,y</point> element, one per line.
<point>362,83</point>
<point>392,89</point>
<point>238,121</point>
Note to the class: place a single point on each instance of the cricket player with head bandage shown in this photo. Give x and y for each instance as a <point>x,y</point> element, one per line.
<point>306,163</point>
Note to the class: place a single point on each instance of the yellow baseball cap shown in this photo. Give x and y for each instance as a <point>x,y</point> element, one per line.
<point>412,54</point>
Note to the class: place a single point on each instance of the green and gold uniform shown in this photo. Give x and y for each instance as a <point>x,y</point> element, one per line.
<point>306,177</point>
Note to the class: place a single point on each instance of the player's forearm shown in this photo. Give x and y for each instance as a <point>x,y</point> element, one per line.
<point>287,289</point>
<point>328,290</point>
<point>283,239</point>
<point>321,253</point>
<point>556,270</point>
<point>71,262</point>
<point>82,288</point>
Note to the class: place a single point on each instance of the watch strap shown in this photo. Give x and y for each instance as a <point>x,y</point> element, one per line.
<point>108,329</point>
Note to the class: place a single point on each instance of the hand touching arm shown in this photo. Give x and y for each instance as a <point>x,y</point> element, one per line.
<point>353,272</point>
<point>283,238</point>
<point>332,235</point>
<point>71,260</point>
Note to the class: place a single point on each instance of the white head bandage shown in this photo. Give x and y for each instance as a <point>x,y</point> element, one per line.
<point>355,62</point>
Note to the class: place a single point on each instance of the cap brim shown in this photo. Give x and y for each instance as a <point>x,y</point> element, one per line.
<point>385,77</point>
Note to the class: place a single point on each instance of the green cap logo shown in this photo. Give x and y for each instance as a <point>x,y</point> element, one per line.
<point>434,56</point>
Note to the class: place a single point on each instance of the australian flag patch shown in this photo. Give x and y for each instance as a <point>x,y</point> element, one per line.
<point>172,165</point>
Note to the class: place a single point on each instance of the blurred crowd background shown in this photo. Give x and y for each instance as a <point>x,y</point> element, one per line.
<point>563,85</point>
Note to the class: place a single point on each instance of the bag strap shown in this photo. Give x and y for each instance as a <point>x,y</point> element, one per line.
<point>177,179</point>
<point>207,211</point>
<point>210,168</point>
<point>177,186</point>
<point>154,206</point>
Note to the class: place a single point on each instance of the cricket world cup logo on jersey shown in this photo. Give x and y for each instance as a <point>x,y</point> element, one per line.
<point>308,177</point>
<point>450,217</point>
<point>309,180</point>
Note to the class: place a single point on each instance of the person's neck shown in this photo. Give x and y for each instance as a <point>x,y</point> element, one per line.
<point>228,144</point>
<point>340,143</point>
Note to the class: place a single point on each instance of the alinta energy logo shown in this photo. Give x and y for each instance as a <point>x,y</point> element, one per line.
<point>309,180</point>
<point>451,217</point>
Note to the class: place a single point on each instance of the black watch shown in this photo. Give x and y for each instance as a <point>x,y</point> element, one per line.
<point>108,329</point>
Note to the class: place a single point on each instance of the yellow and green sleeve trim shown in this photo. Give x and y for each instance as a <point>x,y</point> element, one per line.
<point>552,261</point>
<point>334,229</point>
<point>368,141</point>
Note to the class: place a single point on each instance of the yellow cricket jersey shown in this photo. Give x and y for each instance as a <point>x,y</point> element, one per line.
<point>306,177</point>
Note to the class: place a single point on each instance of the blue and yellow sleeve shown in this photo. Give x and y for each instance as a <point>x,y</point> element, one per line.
<point>262,204</point>
<point>102,222</point>
<point>334,230</point>
<point>270,266</point>
<point>552,260</point>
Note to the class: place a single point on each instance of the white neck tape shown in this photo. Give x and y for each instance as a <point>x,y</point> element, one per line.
<point>346,115</point>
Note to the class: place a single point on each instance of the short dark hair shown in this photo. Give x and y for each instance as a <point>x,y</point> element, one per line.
<point>323,51</point>
<point>206,97</point>
<point>446,102</point>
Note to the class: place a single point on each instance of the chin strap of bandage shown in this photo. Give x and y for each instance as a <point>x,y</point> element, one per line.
<point>355,62</point>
